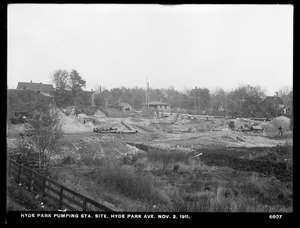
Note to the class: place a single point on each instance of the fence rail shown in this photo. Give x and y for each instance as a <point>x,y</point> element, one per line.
<point>65,197</point>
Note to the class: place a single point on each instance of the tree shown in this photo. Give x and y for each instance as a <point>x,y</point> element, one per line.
<point>284,91</point>
<point>76,83</point>
<point>60,93</point>
<point>60,79</point>
<point>103,99</point>
<point>117,94</point>
<point>248,99</point>
<point>48,133</point>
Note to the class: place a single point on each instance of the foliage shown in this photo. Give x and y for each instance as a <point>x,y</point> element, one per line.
<point>68,87</point>
<point>244,101</point>
<point>76,83</point>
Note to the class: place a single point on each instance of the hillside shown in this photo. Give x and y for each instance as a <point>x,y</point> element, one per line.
<point>24,100</point>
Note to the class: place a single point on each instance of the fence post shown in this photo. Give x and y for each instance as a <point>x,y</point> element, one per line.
<point>61,197</point>
<point>9,167</point>
<point>30,179</point>
<point>84,204</point>
<point>44,184</point>
<point>19,174</point>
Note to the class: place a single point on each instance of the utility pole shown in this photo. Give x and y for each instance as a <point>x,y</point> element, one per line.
<point>195,99</point>
<point>226,103</point>
<point>195,102</point>
<point>146,92</point>
<point>132,99</point>
<point>199,104</point>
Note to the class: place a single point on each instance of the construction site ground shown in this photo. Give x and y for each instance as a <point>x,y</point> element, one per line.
<point>230,155</point>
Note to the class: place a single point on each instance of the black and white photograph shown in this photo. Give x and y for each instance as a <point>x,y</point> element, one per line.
<point>149,111</point>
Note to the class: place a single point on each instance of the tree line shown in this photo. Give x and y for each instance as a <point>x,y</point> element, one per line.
<point>246,100</point>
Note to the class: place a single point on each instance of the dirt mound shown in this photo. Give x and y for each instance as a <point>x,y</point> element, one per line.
<point>71,124</point>
<point>272,126</point>
<point>100,114</point>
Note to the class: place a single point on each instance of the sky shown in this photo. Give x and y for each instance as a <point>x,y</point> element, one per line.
<point>115,45</point>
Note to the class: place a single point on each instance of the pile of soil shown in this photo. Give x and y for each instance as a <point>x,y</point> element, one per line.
<point>99,114</point>
<point>271,127</point>
<point>71,124</point>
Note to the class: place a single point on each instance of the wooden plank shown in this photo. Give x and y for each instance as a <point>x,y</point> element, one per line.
<point>61,196</point>
<point>89,209</point>
<point>100,206</point>
<point>52,189</point>
<point>69,207</point>
<point>84,204</point>
<point>77,203</point>
<point>40,184</point>
<point>26,168</point>
<point>37,179</point>
<point>54,182</point>
<point>35,183</point>
<point>16,168</point>
<point>51,197</point>
<point>36,187</point>
<point>13,162</point>
<point>73,193</point>
<point>25,174</point>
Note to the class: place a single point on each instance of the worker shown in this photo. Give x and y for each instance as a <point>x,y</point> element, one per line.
<point>280,131</point>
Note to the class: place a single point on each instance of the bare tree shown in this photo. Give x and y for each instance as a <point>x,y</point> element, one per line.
<point>48,133</point>
<point>284,91</point>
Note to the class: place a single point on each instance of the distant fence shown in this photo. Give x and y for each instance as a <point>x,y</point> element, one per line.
<point>65,197</point>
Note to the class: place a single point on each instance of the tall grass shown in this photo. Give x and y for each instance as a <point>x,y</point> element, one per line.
<point>126,180</point>
<point>167,157</point>
<point>223,200</point>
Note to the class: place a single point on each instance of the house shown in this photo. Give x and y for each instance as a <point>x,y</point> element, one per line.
<point>37,87</point>
<point>124,107</point>
<point>161,106</point>
<point>273,100</point>
<point>288,103</point>
<point>89,96</point>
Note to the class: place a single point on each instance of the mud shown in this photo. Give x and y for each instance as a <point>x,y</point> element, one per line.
<point>265,164</point>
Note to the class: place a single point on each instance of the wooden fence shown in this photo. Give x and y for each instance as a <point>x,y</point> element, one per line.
<point>65,197</point>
